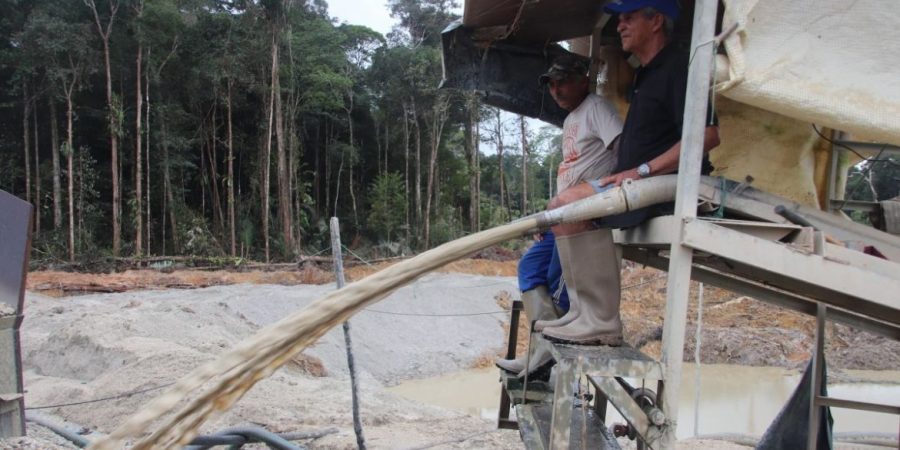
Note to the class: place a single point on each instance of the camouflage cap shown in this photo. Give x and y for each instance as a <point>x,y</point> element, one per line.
<point>563,66</point>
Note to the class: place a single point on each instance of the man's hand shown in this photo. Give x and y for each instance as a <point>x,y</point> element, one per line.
<point>616,179</point>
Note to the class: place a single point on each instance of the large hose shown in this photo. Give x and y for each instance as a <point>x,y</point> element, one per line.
<point>259,356</point>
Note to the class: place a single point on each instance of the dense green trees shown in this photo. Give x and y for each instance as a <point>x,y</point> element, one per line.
<point>221,127</point>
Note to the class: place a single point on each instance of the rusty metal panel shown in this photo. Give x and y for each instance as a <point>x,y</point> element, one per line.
<point>15,243</point>
<point>533,22</point>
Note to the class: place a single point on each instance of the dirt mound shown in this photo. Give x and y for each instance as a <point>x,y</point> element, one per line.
<point>57,284</point>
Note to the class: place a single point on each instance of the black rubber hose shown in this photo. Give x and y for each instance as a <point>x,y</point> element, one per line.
<point>238,436</point>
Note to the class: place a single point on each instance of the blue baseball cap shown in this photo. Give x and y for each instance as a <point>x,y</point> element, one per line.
<point>666,7</point>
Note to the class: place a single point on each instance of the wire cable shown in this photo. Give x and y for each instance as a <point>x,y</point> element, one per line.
<point>847,147</point>
<point>114,397</point>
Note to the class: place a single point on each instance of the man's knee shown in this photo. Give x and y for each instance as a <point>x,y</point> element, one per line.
<point>570,195</point>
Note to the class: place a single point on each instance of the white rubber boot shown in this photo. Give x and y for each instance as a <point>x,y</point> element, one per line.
<point>591,270</point>
<point>566,318</point>
<point>538,305</point>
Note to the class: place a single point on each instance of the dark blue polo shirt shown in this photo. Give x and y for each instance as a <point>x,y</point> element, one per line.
<point>656,115</point>
<point>653,124</point>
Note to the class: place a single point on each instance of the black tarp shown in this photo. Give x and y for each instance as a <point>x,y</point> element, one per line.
<point>790,428</point>
<point>504,75</point>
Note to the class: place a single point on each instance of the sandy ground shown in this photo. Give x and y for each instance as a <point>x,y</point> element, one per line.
<point>102,345</point>
<point>146,334</point>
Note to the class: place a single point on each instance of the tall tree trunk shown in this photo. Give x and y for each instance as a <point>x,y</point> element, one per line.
<point>337,184</point>
<point>138,154</point>
<point>349,110</point>
<point>70,153</point>
<point>38,200</point>
<point>418,211</point>
<point>523,133</point>
<point>329,129</point>
<point>112,119</point>
<point>406,167</point>
<point>147,151</point>
<point>477,172</point>
<point>387,144</point>
<point>503,197</point>
<point>378,167</point>
<point>353,199</point>
<point>167,186</point>
<point>438,118</point>
<point>204,176</point>
<point>284,195</point>
<point>26,139</point>
<point>69,90</point>
<point>54,148</point>
<point>268,151</point>
<point>469,148</point>
<point>231,224</point>
<point>218,218</point>
<point>317,177</point>
<point>294,145</point>
<point>80,199</point>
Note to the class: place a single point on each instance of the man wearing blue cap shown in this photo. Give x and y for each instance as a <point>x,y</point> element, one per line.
<point>650,145</point>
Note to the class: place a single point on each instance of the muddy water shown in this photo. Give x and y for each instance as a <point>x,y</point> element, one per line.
<point>733,399</point>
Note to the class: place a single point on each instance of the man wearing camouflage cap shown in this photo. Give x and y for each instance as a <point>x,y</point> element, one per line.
<point>589,131</point>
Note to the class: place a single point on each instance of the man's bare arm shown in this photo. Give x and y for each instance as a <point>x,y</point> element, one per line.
<point>666,162</point>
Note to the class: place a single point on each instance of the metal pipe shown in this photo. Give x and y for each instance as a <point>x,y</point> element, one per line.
<point>631,195</point>
<point>58,428</point>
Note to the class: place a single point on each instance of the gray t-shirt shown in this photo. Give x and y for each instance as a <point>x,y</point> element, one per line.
<point>588,132</point>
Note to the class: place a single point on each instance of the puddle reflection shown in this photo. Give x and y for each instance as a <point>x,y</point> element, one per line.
<point>733,399</point>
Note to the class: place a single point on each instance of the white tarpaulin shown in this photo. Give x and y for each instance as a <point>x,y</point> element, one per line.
<point>832,63</point>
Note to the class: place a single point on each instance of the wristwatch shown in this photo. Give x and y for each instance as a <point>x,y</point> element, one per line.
<point>643,170</point>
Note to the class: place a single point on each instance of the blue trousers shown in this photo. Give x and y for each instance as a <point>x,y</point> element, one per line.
<point>540,266</point>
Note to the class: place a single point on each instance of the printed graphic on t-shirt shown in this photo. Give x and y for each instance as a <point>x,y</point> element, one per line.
<point>570,153</point>
<point>570,135</point>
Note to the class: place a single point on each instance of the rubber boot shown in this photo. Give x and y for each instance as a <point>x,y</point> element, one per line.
<point>566,318</point>
<point>591,270</point>
<point>539,365</point>
<point>538,305</point>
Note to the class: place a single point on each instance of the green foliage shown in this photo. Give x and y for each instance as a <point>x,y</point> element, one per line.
<point>198,59</point>
<point>197,239</point>
<point>387,204</point>
<point>446,226</point>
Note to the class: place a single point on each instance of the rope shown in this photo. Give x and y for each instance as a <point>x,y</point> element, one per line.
<point>720,211</point>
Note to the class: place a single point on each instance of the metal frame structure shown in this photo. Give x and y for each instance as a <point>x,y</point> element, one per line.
<point>15,246</point>
<point>807,275</point>
<point>689,164</point>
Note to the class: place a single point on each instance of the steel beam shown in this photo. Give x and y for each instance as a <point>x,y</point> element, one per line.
<point>563,403</point>
<point>681,257</point>
<point>851,404</point>
<point>766,293</point>
<point>876,292</point>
